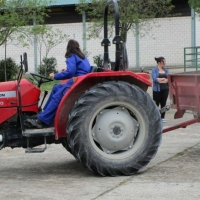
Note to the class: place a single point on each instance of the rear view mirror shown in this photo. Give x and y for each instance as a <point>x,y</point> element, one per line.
<point>25,62</point>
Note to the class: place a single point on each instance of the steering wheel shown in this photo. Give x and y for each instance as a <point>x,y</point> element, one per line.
<point>40,79</point>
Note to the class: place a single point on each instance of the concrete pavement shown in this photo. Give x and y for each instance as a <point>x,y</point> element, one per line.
<point>55,174</point>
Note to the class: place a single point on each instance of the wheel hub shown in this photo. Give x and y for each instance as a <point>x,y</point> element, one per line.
<point>115,130</point>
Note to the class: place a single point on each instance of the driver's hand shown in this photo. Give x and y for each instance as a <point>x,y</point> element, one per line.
<point>51,75</point>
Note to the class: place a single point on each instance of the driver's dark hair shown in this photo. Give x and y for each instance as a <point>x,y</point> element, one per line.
<point>159,59</point>
<point>73,48</point>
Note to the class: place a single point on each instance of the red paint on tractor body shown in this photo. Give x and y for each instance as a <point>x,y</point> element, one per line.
<point>87,81</point>
<point>9,98</point>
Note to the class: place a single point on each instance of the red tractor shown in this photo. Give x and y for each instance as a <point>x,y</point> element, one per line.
<point>106,120</point>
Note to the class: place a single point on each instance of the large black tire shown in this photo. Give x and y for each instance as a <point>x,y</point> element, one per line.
<point>65,145</point>
<point>114,129</point>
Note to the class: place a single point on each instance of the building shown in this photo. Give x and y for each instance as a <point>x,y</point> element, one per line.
<point>167,39</point>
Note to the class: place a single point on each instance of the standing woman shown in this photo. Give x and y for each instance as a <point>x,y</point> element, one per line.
<point>160,84</point>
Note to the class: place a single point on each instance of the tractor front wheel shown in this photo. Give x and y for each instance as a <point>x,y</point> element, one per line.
<point>114,129</point>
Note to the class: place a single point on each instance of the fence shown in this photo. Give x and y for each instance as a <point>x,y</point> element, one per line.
<point>192,58</point>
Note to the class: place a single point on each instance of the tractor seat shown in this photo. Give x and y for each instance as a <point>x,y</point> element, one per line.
<point>96,69</point>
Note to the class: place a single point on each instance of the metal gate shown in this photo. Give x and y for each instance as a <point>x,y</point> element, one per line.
<point>192,58</point>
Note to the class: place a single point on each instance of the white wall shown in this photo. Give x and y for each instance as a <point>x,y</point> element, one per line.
<point>197,30</point>
<point>168,40</point>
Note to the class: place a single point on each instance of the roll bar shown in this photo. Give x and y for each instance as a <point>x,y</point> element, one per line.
<point>116,40</point>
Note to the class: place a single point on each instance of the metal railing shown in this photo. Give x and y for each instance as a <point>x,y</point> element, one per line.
<point>192,58</point>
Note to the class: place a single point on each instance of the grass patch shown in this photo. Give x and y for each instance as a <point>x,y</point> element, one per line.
<point>45,86</point>
<point>48,86</point>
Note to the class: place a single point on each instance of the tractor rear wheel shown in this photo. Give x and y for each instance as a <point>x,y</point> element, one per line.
<point>114,129</point>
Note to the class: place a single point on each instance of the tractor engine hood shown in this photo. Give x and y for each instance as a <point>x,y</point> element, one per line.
<point>9,98</point>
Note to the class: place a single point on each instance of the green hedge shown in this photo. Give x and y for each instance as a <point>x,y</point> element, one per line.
<point>11,69</point>
<point>48,66</point>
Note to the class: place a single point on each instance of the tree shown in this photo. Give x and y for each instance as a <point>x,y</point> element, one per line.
<point>49,38</point>
<point>47,66</point>
<point>18,13</point>
<point>132,12</point>
<point>46,36</point>
<point>195,4</point>
<point>12,69</point>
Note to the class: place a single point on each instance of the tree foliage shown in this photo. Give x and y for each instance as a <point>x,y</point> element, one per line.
<point>195,4</point>
<point>51,38</point>
<point>132,12</point>
<point>46,36</point>
<point>14,14</point>
<point>48,66</point>
<point>11,69</point>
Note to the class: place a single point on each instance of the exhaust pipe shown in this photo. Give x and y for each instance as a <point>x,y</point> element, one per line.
<point>2,142</point>
<point>1,138</point>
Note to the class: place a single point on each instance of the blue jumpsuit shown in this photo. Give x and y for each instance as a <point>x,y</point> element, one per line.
<point>75,67</point>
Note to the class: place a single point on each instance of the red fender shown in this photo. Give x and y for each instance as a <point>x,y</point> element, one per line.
<point>87,81</point>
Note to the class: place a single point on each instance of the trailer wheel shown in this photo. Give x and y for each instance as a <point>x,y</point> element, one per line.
<point>114,129</point>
